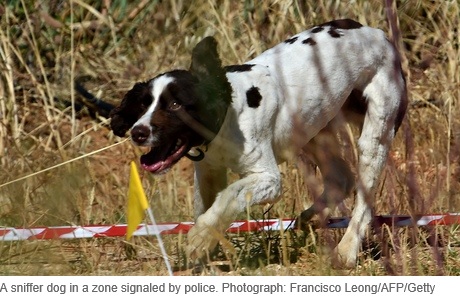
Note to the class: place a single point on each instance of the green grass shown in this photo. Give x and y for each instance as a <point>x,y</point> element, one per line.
<point>46,45</point>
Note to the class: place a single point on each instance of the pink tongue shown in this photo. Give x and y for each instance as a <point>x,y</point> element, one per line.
<point>153,167</point>
<point>157,166</point>
<point>153,161</point>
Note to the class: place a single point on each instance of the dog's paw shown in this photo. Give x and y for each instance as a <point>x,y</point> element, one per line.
<point>202,239</point>
<point>344,256</point>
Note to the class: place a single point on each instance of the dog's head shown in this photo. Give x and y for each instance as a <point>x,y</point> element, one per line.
<point>177,110</point>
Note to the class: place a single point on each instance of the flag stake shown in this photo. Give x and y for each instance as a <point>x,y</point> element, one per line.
<point>160,240</point>
<point>137,205</point>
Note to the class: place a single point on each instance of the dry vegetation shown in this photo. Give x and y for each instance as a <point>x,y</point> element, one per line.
<point>108,45</point>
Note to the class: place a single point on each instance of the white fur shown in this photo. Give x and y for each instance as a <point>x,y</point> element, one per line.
<point>157,86</point>
<point>310,82</point>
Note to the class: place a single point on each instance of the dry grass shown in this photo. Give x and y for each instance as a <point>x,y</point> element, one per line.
<point>46,45</point>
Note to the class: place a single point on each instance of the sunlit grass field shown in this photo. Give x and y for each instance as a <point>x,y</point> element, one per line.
<point>45,46</point>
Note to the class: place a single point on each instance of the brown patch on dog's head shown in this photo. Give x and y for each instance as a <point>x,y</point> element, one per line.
<point>164,112</point>
<point>134,104</point>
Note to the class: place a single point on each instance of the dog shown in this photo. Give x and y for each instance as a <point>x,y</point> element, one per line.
<point>249,118</point>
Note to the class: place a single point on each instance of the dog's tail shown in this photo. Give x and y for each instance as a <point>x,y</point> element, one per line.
<point>95,106</point>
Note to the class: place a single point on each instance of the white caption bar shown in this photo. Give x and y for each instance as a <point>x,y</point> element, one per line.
<point>189,285</point>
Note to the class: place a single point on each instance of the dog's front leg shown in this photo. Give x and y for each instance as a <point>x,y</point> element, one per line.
<point>255,188</point>
<point>209,181</point>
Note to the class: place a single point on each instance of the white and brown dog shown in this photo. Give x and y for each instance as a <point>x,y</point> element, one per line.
<point>249,118</point>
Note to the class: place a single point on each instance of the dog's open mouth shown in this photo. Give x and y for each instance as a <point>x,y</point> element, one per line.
<point>161,158</point>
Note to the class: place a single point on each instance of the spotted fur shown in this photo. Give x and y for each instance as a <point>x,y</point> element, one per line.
<point>249,118</point>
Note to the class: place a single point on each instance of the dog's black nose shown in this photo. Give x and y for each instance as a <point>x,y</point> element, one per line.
<point>140,133</point>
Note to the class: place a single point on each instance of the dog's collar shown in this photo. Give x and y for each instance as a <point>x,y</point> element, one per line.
<point>198,157</point>
<point>199,128</point>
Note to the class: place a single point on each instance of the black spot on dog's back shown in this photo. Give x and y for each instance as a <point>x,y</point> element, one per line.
<point>253,97</point>
<point>344,24</point>
<point>334,33</point>
<point>239,68</point>
<point>309,41</point>
<point>317,29</point>
<point>291,40</point>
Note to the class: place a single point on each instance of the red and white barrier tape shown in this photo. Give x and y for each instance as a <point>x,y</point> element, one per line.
<point>94,231</point>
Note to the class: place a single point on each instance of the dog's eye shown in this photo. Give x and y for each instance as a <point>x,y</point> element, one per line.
<point>146,101</point>
<point>174,106</point>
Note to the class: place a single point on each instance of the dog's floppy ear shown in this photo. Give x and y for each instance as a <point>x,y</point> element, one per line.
<point>205,59</point>
<point>213,87</point>
<point>207,68</point>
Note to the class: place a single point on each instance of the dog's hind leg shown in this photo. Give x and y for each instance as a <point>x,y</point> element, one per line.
<point>386,104</point>
<point>338,179</point>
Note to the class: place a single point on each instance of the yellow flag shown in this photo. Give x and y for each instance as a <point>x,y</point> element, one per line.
<point>137,202</point>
